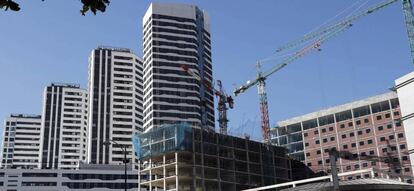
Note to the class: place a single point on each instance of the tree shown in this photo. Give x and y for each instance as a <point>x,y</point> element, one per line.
<point>92,5</point>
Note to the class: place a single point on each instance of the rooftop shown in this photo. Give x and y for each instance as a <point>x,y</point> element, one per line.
<point>339,108</point>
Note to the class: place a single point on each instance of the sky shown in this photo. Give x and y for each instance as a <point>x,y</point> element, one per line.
<point>50,41</point>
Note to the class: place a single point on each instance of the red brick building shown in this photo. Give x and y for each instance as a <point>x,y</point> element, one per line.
<point>368,127</point>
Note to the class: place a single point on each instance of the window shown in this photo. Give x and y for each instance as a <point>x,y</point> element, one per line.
<point>405,158</point>
<point>369,141</point>
<point>343,136</point>
<point>351,134</point>
<point>358,122</point>
<point>391,137</point>
<point>367,130</point>
<point>398,124</point>
<point>350,124</point>
<point>307,154</point>
<point>366,120</point>
<point>380,128</point>
<point>402,146</point>
<point>371,152</point>
<point>400,135</point>
<point>395,159</point>
<point>345,146</point>
<point>327,160</point>
<point>406,169</point>
<point>342,126</point>
<point>323,130</point>
<point>364,164</point>
<point>326,150</point>
<point>361,143</point>
<point>305,134</point>
<point>373,163</point>
<point>309,164</point>
<point>320,162</point>
<point>357,166</point>
<point>332,138</point>
<point>306,144</point>
<point>379,117</point>
<point>384,150</point>
<point>315,132</point>
<point>353,145</point>
<point>396,113</point>
<point>363,154</point>
<point>359,132</point>
<point>318,152</point>
<point>389,126</point>
<point>325,140</point>
<point>382,139</point>
<point>330,128</point>
<point>348,167</point>
<point>317,142</point>
<point>388,115</point>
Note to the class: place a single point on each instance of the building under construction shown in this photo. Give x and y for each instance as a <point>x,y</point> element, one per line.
<point>180,157</point>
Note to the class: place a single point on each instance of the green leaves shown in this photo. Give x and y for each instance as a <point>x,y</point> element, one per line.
<point>94,6</point>
<point>9,4</point>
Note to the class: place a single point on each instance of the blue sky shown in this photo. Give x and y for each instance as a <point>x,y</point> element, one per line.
<point>50,42</point>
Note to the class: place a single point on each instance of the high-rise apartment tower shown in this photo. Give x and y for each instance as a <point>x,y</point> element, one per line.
<point>21,142</point>
<point>64,126</point>
<point>115,103</point>
<point>175,36</point>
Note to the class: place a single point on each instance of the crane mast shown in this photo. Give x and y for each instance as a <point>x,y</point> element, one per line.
<point>222,108</point>
<point>224,101</point>
<point>264,110</point>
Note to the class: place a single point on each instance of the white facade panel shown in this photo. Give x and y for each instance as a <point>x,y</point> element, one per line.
<point>405,91</point>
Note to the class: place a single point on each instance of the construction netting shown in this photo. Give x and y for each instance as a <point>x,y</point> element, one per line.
<point>168,138</point>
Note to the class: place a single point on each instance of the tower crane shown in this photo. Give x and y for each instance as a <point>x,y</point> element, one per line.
<point>317,38</point>
<point>225,101</point>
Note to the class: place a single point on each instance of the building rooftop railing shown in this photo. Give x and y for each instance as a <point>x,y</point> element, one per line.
<point>18,115</point>
<point>69,85</point>
<point>118,49</point>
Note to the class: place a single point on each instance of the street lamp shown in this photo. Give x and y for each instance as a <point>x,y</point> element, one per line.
<point>123,147</point>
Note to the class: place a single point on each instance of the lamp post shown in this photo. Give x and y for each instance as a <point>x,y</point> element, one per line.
<point>123,147</point>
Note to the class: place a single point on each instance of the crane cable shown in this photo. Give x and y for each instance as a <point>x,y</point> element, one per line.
<point>318,31</point>
<point>277,56</point>
<point>337,15</point>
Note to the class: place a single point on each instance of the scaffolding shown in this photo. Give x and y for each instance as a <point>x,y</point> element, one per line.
<point>180,157</point>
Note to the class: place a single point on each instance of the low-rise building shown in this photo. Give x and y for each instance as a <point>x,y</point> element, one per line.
<point>87,177</point>
<point>367,127</point>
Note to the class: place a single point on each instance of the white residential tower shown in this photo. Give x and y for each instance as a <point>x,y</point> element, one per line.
<point>115,107</point>
<point>64,126</point>
<point>21,142</point>
<point>174,36</point>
